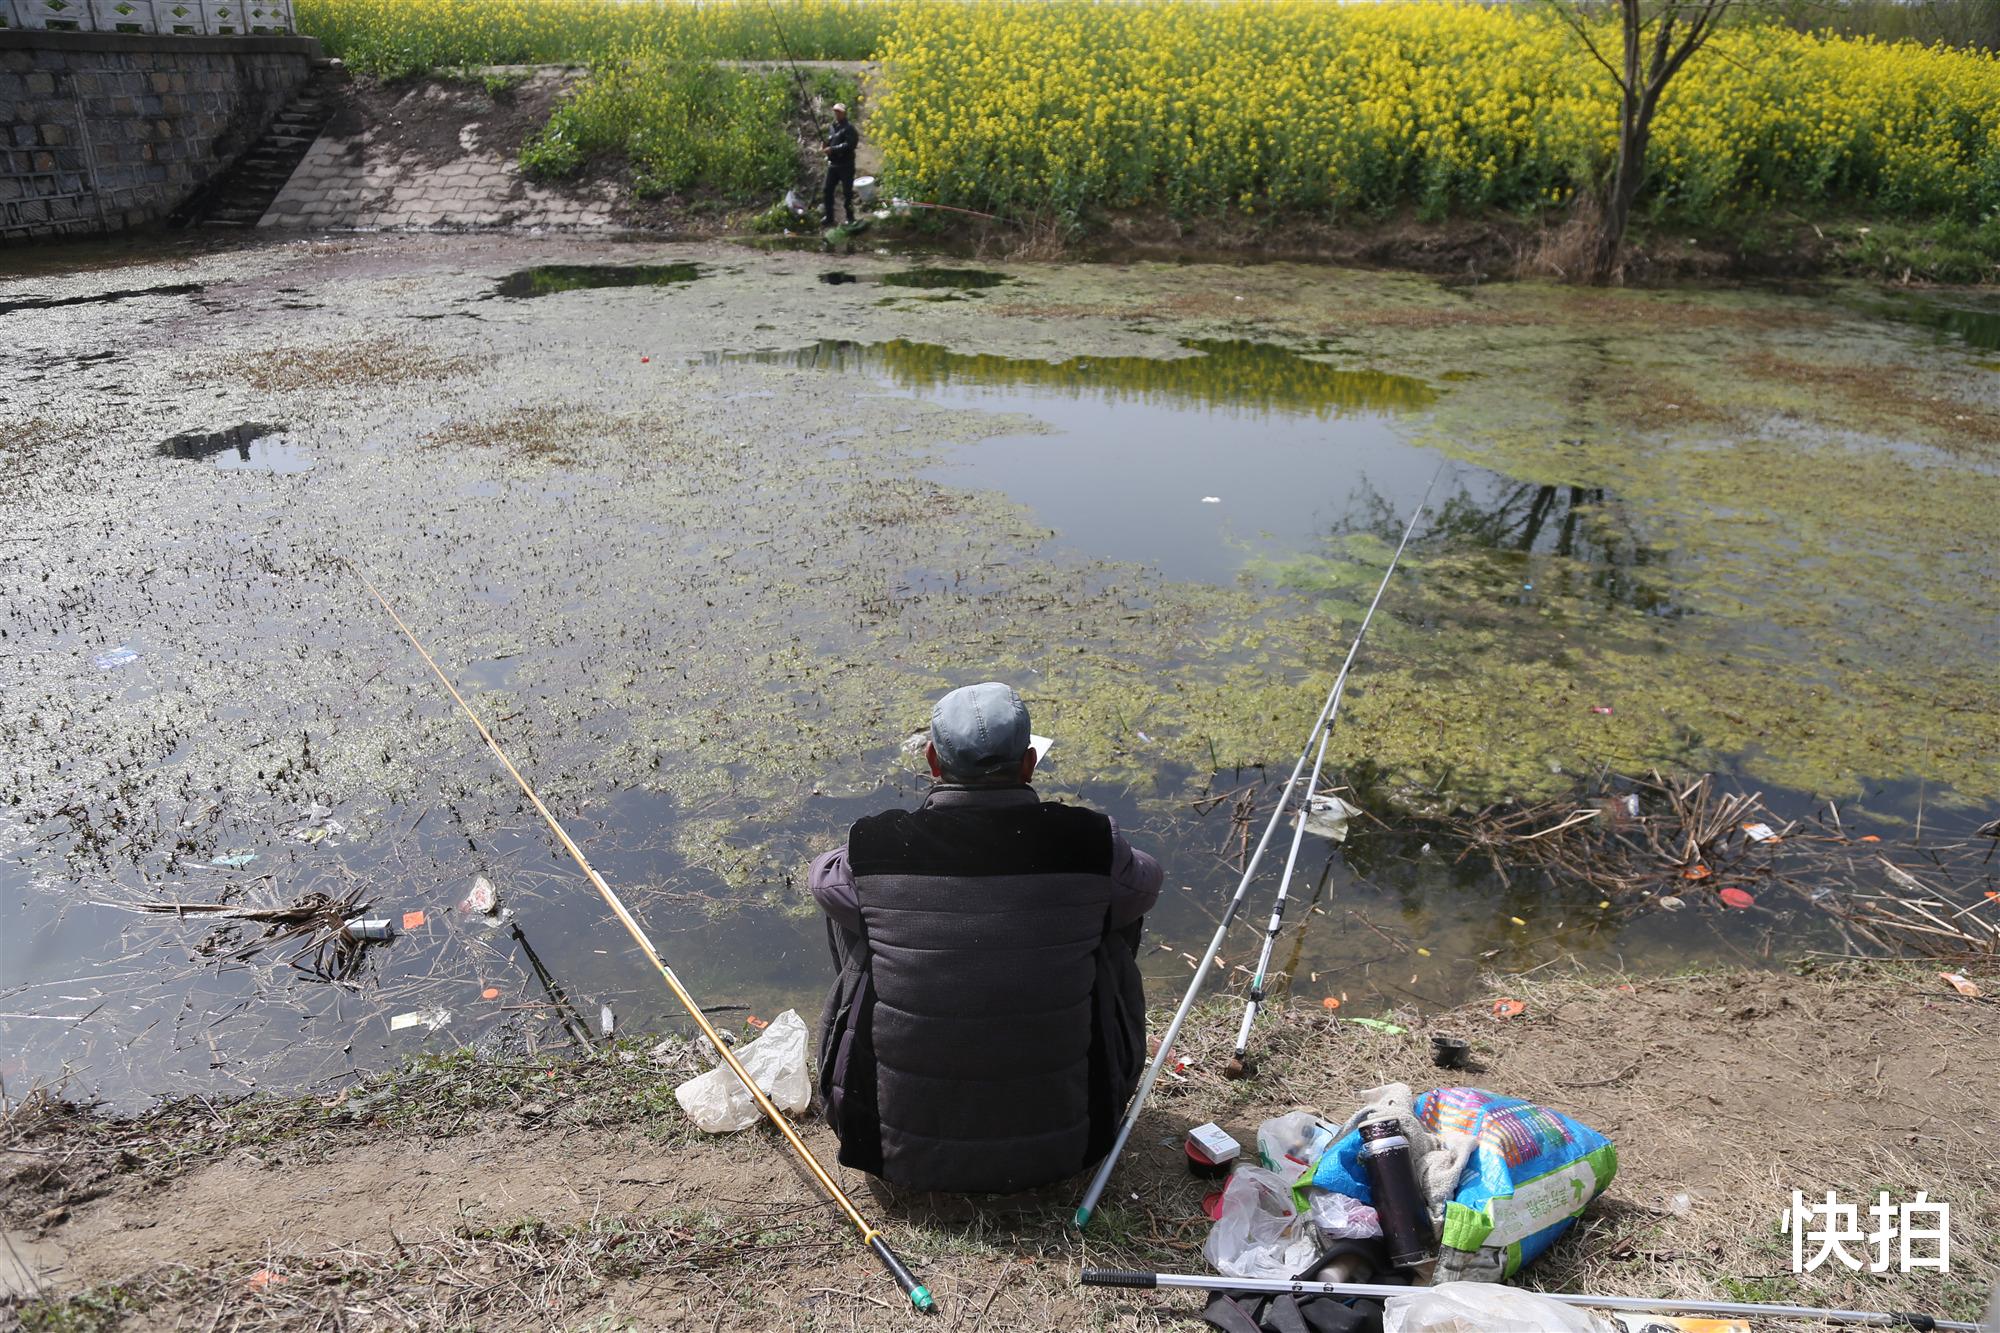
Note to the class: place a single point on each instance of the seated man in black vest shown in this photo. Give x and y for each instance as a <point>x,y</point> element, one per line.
<point>988,1025</point>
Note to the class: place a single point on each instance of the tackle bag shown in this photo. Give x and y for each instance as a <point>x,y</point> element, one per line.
<point>1532,1170</point>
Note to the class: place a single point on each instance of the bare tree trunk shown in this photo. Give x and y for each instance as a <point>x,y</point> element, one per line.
<point>1635,133</point>
<point>1641,76</point>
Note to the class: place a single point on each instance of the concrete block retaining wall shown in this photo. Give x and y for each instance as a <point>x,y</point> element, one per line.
<point>102,131</point>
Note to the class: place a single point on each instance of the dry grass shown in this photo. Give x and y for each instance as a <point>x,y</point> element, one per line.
<point>555,435</point>
<point>375,363</point>
<point>1730,1088</point>
<point>1898,394</point>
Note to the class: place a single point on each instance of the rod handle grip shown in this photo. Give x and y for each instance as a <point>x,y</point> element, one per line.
<point>919,1294</point>
<point>1119,1277</point>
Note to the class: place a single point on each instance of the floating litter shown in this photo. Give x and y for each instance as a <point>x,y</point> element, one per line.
<point>116,657</point>
<point>482,897</point>
<point>1326,816</point>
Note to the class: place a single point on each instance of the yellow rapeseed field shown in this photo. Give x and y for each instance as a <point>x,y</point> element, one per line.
<point>1298,106</point>
<point>396,37</point>
<point>1307,106</point>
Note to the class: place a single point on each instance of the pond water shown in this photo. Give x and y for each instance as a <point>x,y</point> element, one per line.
<point>702,566</point>
<point>1238,448</point>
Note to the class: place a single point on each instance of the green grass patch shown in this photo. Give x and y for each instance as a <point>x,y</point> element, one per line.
<point>93,1310</point>
<point>685,125</point>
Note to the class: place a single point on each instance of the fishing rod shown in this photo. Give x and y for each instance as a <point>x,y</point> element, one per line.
<point>919,1295</point>
<point>566,1012</point>
<point>1167,1039</point>
<point>1240,1064</point>
<point>1112,1277</point>
<point>805,97</point>
<point>953,208</point>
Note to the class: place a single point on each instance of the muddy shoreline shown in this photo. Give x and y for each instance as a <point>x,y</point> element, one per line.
<point>510,1193</point>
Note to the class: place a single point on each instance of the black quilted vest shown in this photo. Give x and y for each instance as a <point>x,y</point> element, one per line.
<point>987,1032</point>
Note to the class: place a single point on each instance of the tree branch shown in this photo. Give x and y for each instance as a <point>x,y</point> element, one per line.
<point>1699,29</point>
<point>1576,25</point>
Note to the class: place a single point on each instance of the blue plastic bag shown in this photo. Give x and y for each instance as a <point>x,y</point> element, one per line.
<point>1531,1172</point>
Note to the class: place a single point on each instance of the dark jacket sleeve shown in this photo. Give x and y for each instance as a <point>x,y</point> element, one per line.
<point>832,885</point>
<point>1135,881</point>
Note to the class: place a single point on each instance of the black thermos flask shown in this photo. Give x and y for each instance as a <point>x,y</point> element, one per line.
<point>1399,1200</point>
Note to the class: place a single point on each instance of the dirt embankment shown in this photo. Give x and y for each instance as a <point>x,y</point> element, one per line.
<point>528,1194</point>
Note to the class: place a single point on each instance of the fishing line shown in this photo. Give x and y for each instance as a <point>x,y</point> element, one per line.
<point>1112,1277</point>
<point>1240,1065</point>
<point>920,1297</point>
<point>1167,1039</point>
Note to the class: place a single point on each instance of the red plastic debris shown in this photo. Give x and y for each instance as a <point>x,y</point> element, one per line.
<point>756,1022</point>
<point>1735,897</point>
<point>411,920</point>
<point>1509,1008</point>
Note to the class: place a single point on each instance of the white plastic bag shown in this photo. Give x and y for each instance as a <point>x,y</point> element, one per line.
<point>1341,1217</point>
<point>1260,1232</point>
<point>1483,1307</point>
<point>1326,816</point>
<point>718,1102</point>
<point>1290,1144</point>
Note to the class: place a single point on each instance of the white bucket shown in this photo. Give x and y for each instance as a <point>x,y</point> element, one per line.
<point>864,189</point>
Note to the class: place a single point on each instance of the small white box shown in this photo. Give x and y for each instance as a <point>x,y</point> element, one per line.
<point>1211,1142</point>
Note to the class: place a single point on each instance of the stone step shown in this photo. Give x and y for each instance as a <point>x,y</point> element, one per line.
<point>260,175</point>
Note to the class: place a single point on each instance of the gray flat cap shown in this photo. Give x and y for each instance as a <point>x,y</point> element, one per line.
<point>980,730</point>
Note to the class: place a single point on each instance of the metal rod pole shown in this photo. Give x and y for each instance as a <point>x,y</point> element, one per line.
<point>1111,1277</point>
<point>1256,996</point>
<point>1167,1039</point>
<point>919,1295</point>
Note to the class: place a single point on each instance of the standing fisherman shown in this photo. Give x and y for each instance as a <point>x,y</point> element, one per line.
<point>840,146</point>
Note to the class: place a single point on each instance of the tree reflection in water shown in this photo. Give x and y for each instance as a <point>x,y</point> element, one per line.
<point>1524,538</point>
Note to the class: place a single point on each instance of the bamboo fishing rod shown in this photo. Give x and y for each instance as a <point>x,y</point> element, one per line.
<point>1173,1032</point>
<point>1240,1064</point>
<point>919,1295</point>
<point>1382,1291</point>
